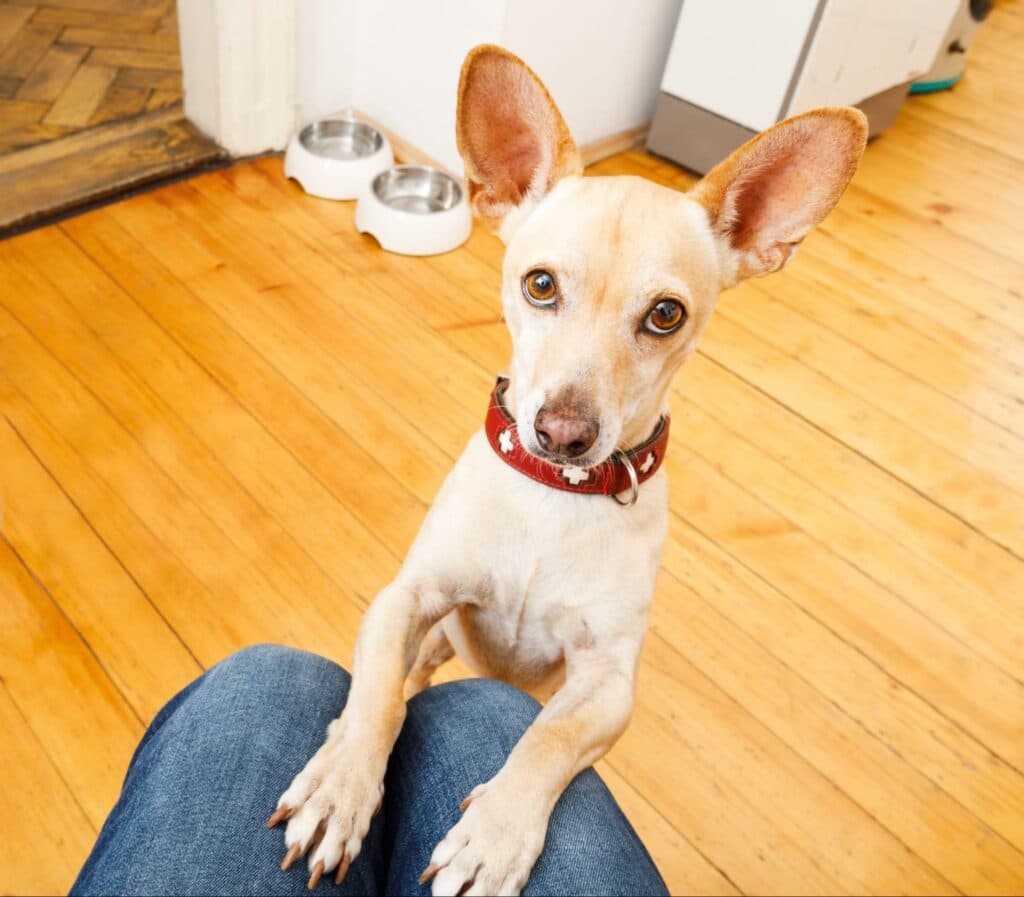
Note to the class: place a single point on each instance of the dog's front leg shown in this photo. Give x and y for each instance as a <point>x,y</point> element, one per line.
<point>330,803</point>
<point>492,849</point>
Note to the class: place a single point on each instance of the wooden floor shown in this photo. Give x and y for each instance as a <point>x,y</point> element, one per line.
<point>224,413</point>
<point>90,102</point>
<point>66,65</point>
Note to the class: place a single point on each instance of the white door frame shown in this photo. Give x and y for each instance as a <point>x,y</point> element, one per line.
<point>238,71</point>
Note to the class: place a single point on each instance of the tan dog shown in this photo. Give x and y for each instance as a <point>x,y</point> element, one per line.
<point>608,283</point>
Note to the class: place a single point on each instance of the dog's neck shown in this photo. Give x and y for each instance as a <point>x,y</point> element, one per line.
<point>639,425</point>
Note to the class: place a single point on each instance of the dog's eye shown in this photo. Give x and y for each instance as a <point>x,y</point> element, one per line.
<point>540,288</point>
<point>666,317</point>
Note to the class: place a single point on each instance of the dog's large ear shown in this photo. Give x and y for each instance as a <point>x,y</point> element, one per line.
<point>511,136</point>
<point>765,198</point>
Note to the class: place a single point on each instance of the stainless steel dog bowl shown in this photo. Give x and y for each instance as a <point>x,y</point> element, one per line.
<point>415,210</point>
<point>337,158</point>
<point>341,139</point>
<point>417,189</point>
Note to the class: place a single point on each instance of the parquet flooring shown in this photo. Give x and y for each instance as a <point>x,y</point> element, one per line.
<point>70,67</point>
<point>67,67</point>
<point>223,413</point>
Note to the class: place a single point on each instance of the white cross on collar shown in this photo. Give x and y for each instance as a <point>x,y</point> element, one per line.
<point>505,441</point>
<point>576,475</point>
<point>648,463</point>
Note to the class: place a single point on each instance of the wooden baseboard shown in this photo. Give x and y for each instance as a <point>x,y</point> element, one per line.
<point>405,152</point>
<point>614,143</point>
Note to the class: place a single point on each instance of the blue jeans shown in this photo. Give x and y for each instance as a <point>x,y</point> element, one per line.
<point>190,819</point>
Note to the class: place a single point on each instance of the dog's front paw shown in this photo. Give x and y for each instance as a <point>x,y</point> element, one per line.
<point>492,849</point>
<point>329,806</point>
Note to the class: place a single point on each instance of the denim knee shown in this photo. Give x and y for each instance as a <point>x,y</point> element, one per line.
<point>265,657</point>
<point>479,705</point>
<point>275,671</point>
<point>269,660</point>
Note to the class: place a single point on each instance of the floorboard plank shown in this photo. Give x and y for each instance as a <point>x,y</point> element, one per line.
<point>143,656</point>
<point>889,505</point>
<point>107,36</point>
<point>261,466</point>
<point>35,798</point>
<point>150,148</point>
<point>349,401</point>
<point>90,18</point>
<point>908,725</point>
<point>237,578</point>
<point>167,444</point>
<point>51,75</point>
<point>983,621</point>
<point>24,49</point>
<point>87,728</point>
<point>923,657</point>
<point>390,510</point>
<point>910,805</point>
<point>136,59</point>
<point>120,102</point>
<point>991,445</point>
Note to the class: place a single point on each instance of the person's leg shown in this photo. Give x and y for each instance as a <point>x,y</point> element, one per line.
<point>457,736</point>
<point>191,817</point>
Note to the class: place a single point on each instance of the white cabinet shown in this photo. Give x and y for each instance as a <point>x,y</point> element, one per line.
<point>736,57</point>
<point>738,66</point>
<point>863,47</point>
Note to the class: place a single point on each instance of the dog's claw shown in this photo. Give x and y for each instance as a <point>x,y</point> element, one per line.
<point>428,874</point>
<point>294,852</point>
<point>466,801</point>
<point>278,816</point>
<point>342,869</point>
<point>318,872</point>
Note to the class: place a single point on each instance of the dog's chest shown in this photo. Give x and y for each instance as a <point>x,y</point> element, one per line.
<point>507,641</point>
<point>538,569</point>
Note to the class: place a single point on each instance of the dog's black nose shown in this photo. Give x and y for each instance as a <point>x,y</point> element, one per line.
<point>565,434</point>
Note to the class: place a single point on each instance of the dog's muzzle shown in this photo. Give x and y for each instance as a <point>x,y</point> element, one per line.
<point>620,476</point>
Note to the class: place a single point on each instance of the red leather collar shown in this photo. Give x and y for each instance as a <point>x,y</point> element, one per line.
<point>611,477</point>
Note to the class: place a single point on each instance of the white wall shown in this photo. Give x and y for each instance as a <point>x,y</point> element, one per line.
<point>408,60</point>
<point>325,57</point>
<point>601,59</point>
<point>398,60</point>
<point>255,69</point>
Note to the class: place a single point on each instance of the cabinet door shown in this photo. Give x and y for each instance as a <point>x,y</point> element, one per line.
<point>862,47</point>
<point>737,58</point>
